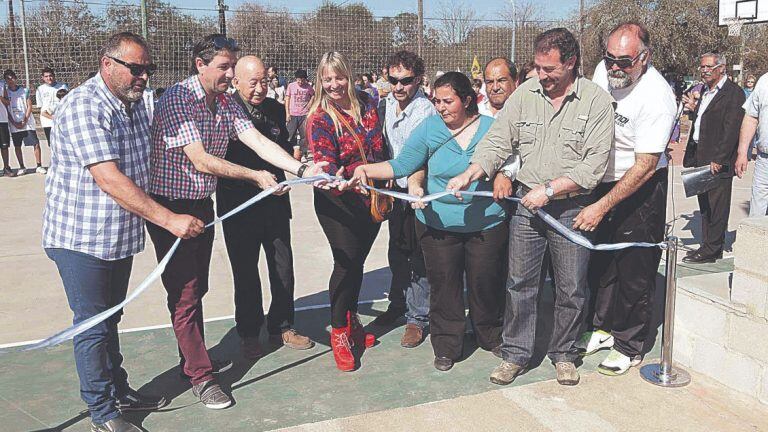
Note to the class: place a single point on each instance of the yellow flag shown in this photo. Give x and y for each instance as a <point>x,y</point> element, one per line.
<point>476,72</point>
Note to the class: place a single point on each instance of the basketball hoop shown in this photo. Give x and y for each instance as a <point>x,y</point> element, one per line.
<point>734,25</point>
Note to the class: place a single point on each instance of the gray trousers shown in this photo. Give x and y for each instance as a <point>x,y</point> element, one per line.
<point>529,237</point>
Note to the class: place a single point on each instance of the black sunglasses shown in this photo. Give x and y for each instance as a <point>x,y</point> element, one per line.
<point>404,81</point>
<point>137,70</point>
<point>622,62</point>
<point>221,42</point>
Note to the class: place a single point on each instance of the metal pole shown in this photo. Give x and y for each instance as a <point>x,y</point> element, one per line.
<point>222,18</point>
<point>581,35</point>
<point>514,31</point>
<point>144,19</point>
<point>421,28</point>
<point>664,374</point>
<point>12,22</point>
<point>24,44</point>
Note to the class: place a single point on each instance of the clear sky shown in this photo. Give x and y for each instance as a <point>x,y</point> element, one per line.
<point>550,9</point>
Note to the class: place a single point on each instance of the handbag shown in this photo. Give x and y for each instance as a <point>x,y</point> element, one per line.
<point>381,205</point>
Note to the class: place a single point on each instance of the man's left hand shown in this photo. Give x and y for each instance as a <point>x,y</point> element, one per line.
<point>715,167</point>
<point>589,217</point>
<point>535,199</point>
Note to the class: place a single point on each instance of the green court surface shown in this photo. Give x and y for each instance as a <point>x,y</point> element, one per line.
<point>38,390</point>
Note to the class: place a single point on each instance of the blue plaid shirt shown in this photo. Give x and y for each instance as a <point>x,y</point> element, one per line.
<point>93,126</point>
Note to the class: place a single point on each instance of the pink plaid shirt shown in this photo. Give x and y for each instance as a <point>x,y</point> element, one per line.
<point>182,118</point>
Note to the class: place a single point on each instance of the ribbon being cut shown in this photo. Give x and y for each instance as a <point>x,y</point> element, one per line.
<point>76,329</point>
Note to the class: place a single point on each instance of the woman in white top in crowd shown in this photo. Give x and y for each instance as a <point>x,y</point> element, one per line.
<point>276,91</point>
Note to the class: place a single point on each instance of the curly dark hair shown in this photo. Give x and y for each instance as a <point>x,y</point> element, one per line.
<point>462,86</point>
<point>563,41</point>
<point>407,59</point>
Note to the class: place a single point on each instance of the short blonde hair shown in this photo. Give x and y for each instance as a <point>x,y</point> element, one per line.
<point>338,63</point>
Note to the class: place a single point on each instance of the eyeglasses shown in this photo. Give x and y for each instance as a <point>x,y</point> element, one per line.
<point>404,81</point>
<point>221,42</point>
<point>137,70</point>
<point>708,67</point>
<point>623,62</point>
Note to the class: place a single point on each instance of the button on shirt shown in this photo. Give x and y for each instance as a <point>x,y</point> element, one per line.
<point>757,106</point>
<point>706,99</point>
<point>182,118</point>
<point>93,126</point>
<point>398,127</point>
<point>573,142</point>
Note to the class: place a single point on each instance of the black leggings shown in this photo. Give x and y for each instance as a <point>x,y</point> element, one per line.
<point>351,233</point>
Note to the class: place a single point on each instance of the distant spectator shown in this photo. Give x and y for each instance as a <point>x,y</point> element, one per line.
<point>382,84</point>
<point>5,134</point>
<point>369,88</point>
<point>22,122</point>
<point>426,87</point>
<point>527,71</point>
<point>749,85</point>
<point>51,114</point>
<point>297,97</point>
<point>45,97</point>
<point>272,72</point>
<point>275,90</point>
<point>477,86</point>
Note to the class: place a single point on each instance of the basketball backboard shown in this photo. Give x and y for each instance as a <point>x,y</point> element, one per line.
<point>752,11</point>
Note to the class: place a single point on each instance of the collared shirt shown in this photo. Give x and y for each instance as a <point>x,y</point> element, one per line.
<point>93,126</point>
<point>573,142</point>
<point>757,106</point>
<point>484,108</point>
<point>183,118</point>
<point>46,99</point>
<point>512,164</point>
<point>706,98</point>
<point>398,126</point>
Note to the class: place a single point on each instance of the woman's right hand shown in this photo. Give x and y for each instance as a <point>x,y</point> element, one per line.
<point>417,190</point>
<point>359,178</point>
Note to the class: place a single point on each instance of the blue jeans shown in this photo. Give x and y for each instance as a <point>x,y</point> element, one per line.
<point>409,286</point>
<point>92,286</point>
<point>529,237</point>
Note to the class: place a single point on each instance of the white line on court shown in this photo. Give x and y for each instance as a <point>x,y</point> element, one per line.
<point>163,326</point>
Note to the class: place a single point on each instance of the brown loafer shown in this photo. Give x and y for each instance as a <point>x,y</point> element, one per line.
<point>292,339</point>
<point>412,337</point>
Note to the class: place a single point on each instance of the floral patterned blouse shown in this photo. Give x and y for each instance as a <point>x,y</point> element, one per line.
<point>343,151</point>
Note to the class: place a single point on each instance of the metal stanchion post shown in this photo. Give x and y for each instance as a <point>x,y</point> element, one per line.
<point>664,374</point>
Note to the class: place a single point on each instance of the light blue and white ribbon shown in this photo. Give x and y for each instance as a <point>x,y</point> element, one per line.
<point>82,326</point>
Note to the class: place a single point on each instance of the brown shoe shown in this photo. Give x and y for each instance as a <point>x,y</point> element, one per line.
<point>567,373</point>
<point>251,348</point>
<point>292,339</point>
<point>412,337</point>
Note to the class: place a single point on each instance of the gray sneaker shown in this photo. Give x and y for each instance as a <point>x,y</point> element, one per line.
<point>211,395</point>
<point>117,424</point>
<point>567,373</point>
<point>506,372</point>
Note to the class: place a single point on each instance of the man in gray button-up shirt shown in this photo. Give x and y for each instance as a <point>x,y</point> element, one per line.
<point>562,126</point>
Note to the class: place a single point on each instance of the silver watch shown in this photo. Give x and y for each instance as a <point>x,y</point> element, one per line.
<point>548,190</point>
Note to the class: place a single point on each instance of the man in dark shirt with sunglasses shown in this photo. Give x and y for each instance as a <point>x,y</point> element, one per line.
<point>632,198</point>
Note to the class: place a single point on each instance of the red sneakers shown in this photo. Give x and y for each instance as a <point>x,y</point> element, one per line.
<point>342,352</point>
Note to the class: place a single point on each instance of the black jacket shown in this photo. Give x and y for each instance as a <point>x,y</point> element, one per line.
<point>720,125</point>
<point>269,119</point>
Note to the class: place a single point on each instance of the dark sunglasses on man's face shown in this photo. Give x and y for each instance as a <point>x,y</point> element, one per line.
<point>623,62</point>
<point>137,70</point>
<point>221,42</point>
<point>404,81</point>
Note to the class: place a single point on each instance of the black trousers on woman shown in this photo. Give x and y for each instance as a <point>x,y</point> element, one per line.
<point>449,256</point>
<point>350,231</point>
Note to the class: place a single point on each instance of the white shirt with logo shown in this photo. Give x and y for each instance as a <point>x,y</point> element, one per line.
<point>18,107</point>
<point>644,118</point>
<point>46,100</point>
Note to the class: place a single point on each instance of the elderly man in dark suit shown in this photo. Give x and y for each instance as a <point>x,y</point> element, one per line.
<point>716,117</point>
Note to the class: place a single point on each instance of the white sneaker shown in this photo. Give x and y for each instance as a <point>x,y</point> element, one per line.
<point>594,341</point>
<point>617,363</point>
<point>21,172</point>
<point>41,170</point>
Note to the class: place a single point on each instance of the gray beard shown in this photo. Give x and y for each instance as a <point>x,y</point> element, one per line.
<point>620,82</point>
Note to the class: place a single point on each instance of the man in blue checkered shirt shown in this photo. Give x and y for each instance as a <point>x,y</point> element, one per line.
<point>94,215</point>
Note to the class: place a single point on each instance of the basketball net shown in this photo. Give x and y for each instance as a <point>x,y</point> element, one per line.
<point>734,25</point>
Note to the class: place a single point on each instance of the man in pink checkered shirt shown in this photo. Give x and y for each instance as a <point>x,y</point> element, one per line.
<point>191,130</point>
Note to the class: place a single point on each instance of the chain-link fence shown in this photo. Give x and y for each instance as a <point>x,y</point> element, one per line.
<point>66,35</point>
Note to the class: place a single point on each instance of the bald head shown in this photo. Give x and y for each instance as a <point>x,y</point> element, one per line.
<point>251,79</point>
<point>627,53</point>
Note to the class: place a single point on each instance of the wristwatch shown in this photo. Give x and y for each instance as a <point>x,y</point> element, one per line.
<point>548,191</point>
<point>300,172</point>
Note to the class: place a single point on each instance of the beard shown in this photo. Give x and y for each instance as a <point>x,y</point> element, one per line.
<point>619,79</point>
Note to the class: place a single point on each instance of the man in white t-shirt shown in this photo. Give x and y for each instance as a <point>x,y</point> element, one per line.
<point>631,205</point>
<point>46,100</point>
<point>21,121</point>
<point>5,134</point>
<point>755,120</point>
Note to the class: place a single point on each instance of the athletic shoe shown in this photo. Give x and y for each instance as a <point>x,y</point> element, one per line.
<point>567,373</point>
<point>117,424</point>
<point>7,172</point>
<point>594,341</point>
<point>617,363</point>
<point>506,372</point>
<point>134,401</point>
<point>41,170</point>
<point>211,395</point>
<point>20,172</point>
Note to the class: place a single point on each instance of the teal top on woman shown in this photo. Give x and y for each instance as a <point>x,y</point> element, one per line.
<point>431,143</point>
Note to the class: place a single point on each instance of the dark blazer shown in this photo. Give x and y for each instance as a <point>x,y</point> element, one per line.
<point>720,125</point>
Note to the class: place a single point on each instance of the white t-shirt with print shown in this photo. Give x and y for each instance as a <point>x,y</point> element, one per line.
<point>644,118</point>
<point>18,107</point>
<point>46,99</point>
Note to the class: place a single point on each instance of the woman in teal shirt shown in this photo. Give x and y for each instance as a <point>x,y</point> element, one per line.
<point>459,238</point>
